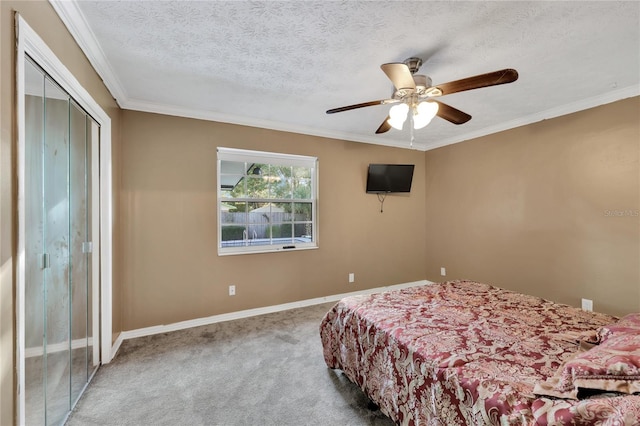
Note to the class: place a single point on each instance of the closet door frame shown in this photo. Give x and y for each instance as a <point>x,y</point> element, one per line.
<point>29,43</point>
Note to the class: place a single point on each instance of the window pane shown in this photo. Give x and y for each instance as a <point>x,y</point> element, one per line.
<point>268,212</point>
<point>233,211</point>
<point>231,179</point>
<point>231,207</point>
<point>280,171</point>
<point>257,187</point>
<point>303,232</point>
<point>302,211</point>
<point>233,235</point>
<point>302,172</point>
<point>258,212</point>
<point>258,232</point>
<point>282,233</point>
<point>302,188</point>
<point>255,207</point>
<point>279,181</point>
<point>270,173</point>
<point>302,182</point>
<point>233,192</point>
<point>283,210</point>
<point>232,186</point>
<point>232,168</point>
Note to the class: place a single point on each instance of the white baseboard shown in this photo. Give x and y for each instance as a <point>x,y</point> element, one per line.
<point>158,329</point>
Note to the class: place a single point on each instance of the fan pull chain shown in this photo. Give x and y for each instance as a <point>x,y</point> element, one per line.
<point>412,130</point>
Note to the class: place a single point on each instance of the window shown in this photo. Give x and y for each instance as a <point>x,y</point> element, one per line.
<point>266,201</point>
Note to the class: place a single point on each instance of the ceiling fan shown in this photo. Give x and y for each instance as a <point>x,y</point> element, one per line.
<point>414,93</point>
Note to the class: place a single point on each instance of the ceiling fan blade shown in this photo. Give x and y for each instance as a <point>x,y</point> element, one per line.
<point>494,78</point>
<point>451,114</point>
<point>399,75</point>
<point>362,105</point>
<point>384,127</point>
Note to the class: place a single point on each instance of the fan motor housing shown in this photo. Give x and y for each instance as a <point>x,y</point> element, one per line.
<point>423,87</point>
<point>422,82</point>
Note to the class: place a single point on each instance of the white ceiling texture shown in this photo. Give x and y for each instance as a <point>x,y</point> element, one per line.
<point>281,64</point>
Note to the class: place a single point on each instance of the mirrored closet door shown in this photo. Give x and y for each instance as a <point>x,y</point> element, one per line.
<point>61,327</point>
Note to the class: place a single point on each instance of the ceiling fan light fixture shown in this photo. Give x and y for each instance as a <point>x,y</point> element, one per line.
<point>424,113</point>
<point>398,115</point>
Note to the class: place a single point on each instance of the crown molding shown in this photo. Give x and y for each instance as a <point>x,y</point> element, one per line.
<point>200,114</point>
<point>74,20</point>
<point>584,104</point>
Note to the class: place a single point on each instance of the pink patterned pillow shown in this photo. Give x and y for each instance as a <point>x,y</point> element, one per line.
<point>627,324</point>
<point>614,365</point>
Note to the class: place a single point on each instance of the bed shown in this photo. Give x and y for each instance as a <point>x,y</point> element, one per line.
<point>467,353</point>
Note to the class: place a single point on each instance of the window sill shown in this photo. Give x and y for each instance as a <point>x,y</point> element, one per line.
<point>265,250</point>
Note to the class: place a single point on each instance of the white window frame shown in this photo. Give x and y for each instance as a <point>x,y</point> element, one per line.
<point>261,157</point>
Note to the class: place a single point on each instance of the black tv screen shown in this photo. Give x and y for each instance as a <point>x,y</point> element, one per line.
<point>383,178</point>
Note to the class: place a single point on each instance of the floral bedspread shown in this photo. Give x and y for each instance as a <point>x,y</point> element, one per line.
<point>465,353</point>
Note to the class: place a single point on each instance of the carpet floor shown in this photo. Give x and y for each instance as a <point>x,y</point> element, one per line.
<point>263,370</point>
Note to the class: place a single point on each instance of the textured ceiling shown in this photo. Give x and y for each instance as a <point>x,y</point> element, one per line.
<point>281,65</point>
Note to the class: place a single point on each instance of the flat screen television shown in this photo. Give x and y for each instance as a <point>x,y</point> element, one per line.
<point>385,178</point>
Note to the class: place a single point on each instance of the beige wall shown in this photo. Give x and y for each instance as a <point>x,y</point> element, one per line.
<point>170,267</point>
<point>525,209</point>
<point>41,17</point>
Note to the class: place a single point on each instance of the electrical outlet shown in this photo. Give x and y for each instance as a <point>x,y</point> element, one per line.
<point>587,305</point>
<point>443,271</point>
<point>232,290</point>
<point>352,277</point>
